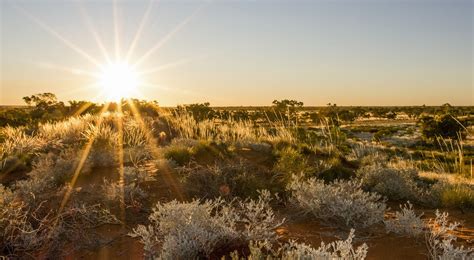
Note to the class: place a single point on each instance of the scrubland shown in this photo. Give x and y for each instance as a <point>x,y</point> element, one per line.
<point>176,186</point>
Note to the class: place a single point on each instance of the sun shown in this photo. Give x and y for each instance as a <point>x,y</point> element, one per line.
<point>118,80</point>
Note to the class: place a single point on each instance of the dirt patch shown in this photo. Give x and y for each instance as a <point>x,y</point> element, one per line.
<point>118,245</point>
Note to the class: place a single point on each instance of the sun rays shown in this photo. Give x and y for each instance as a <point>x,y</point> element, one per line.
<point>118,78</point>
<point>118,54</point>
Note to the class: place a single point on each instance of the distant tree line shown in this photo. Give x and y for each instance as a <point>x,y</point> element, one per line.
<point>45,107</point>
<point>435,120</point>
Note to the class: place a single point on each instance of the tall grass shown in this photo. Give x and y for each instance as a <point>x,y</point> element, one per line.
<point>17,146</point>
<point>452,156</point>
<point>68,131</point>
<point>229,131</point>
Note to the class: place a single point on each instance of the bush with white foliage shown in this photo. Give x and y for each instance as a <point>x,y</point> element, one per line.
<point>341,249</point>
<point>406,222</point>
<point>342,203</point>
<point>187,230</point>
<point>396,184</point>
<point>50,172</point>
<point>439,239</point>
<point>128,191</point>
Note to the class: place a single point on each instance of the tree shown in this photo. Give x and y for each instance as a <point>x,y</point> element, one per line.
<point>347,115</point>
<point>445,126</point>
<point>199,111</point>
<point>144,107</point>
<point>82,107</point>
<point>287,108</point>
<point>46,106</point>
<point>41,100</point>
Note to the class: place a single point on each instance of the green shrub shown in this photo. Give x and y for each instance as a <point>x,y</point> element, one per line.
<point>290,161</point>
<point>181,155</point>
<point>229,180</point>
<point>208,152</point>
<point>461,196</point>
<point>336,172</point>
<point>396,184</point>
<point>445,126</point>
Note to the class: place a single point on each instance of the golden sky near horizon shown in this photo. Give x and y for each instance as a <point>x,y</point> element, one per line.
<point>360,52</point>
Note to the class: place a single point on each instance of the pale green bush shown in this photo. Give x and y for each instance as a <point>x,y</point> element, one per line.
<point>25,229</point>
<point>341,203</point>
<point>406,222</point>
<point>129,193</point>
<point>395,184</point>
<point>50,172</point>
<point>341,249</point>
<point>439,239</point>
<point>186,230</point>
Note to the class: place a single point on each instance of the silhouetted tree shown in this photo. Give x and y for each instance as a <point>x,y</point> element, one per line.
<point>46,106</point>
<point>199,111</point>
<point>287,108</point>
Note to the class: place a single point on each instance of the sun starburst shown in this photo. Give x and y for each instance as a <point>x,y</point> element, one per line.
<point>118,80</point>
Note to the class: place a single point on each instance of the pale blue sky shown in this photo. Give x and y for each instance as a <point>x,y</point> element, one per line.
<point>357,52</point>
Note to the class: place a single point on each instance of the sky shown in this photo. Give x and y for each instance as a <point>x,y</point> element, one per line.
<point>242,52</point>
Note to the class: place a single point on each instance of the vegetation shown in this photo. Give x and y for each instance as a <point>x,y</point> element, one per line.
<point>342,203</point>
<point>445,126</point>
<point>197,181</point>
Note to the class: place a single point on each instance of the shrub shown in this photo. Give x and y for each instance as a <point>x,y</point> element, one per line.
<point>342,249</point>
<point>137,155</point>
<point>445,126</point>
<point>129,193</point>
<point>17,230</point>
<point>17,148</point>
<point>178,153</point>
<point>451,195</point>
<point>207,150</point>
<point>342,203</point>
<point>438,232</point>
<point>406,222</point>
<point>134,134</point>
<point>439,239</point>
<point>105,144</point>
<point>257,218</point>
<point>70,131</point>
<point>336,172</point>
<point>50,172</point>
<point>367,154</point>
<point>199,111</point>
<point>25,230</point>
<point>187,230</point>
<point>290,162</point>
<point>396,184</point>
<point>136,175</point>
<point>229,180</point>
